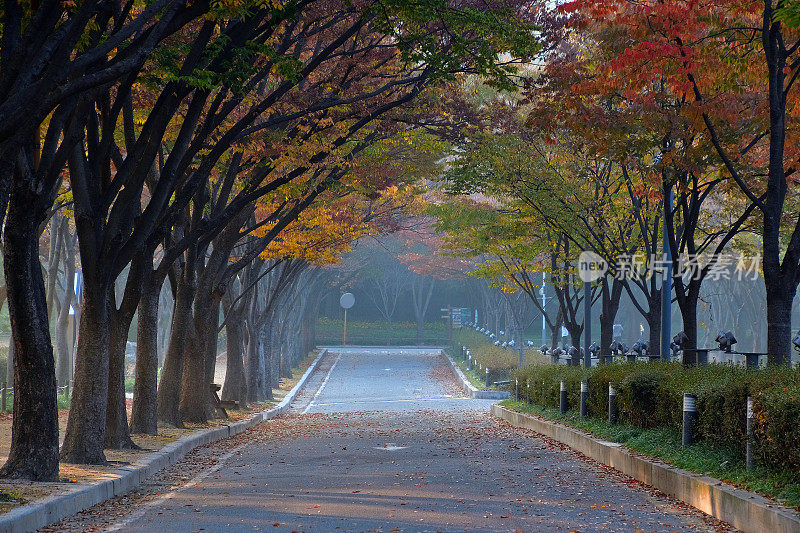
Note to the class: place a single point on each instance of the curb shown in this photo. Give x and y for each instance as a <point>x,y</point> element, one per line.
<point>53,508</point>
<point>742,509</point>
<point>469,388</point>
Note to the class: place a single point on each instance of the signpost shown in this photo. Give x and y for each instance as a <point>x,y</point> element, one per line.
<point>456,317</point>
<point>346,300</point>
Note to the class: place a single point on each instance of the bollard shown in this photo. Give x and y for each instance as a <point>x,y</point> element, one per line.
<point>584,398</point>
<point>3,400</point>
<point>749,461</point>
<point>469,362</point>
<point>689,418</point>
<point>562,400</point>
<point>612,404</point>
<point>516,389</point>
<point>69,383</point>
<point>487,377</point>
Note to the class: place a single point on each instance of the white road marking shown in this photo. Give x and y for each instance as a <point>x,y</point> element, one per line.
<point>322,386</point>
<point>140,511</point>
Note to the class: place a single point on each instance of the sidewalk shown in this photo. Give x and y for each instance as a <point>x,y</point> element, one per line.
<point>118,474</point>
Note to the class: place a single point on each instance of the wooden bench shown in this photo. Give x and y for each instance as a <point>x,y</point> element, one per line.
<point>221,405</point>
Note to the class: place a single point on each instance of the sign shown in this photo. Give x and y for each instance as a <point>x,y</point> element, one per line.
<point>461,316</point>
<point>347,300</point>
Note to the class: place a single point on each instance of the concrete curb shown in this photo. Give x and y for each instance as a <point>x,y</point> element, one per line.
<point>469,388</point>
<point>742,509</point>
<point>56,507</point>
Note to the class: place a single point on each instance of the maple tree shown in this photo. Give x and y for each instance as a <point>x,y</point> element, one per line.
<point>706,63</point>
<point>424,256</point>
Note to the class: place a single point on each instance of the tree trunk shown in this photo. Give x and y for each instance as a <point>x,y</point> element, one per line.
<point>608,315</point>
<point>10,364</point>
<point>653,318</point>
<point>235,386</point>
<point>780,296</point>
<point>169,387</point>
<point>689,316</point>
<point>144,416</point>
<point>86,426</point>
<point>57,230</point>
<point>63,344</point>
<point>267,346</point>
<point>555,331</point>
<point>195,402</point>
<point>255,366</point>
<point>117,432</point>
<point>34,430</point>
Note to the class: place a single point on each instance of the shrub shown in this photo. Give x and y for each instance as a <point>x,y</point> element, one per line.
<point>776,413</point>
<point>650,395</point>
<point>637,398</point>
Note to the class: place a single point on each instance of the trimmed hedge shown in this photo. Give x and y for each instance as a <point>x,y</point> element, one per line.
<point>650,395</point>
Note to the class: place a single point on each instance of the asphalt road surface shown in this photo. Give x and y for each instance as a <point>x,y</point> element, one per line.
<point>384,441</point>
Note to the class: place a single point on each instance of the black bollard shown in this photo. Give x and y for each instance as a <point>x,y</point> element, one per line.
<point>584,398</point>
<point>516,389</point>
<point>562,400</point>
<point>689,418</point>
<point>749,461</point>
<point>487,377</point>
<point>612,404</point>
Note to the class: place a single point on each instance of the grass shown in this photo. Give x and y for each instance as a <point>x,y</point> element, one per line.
<point>361,333</point>
<point>500,361</point>
<point>665,444</point>
<point>472,375</point>
<point>494,357</point>
<point>11,497</point>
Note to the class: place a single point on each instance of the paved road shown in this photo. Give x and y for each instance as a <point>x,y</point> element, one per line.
<point>383,441</point>
<point>401,379</point>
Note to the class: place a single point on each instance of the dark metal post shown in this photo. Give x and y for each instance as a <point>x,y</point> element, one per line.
<point>587,323</point>
<point>689,418</point>
<point>516,389</point>
<point>666,287</point>
<point>612,404</point>
<point>487,377</point>
<point>584,398</point>
<point>3,400</point>
<point>562,400</point>
<point>749,461</point>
